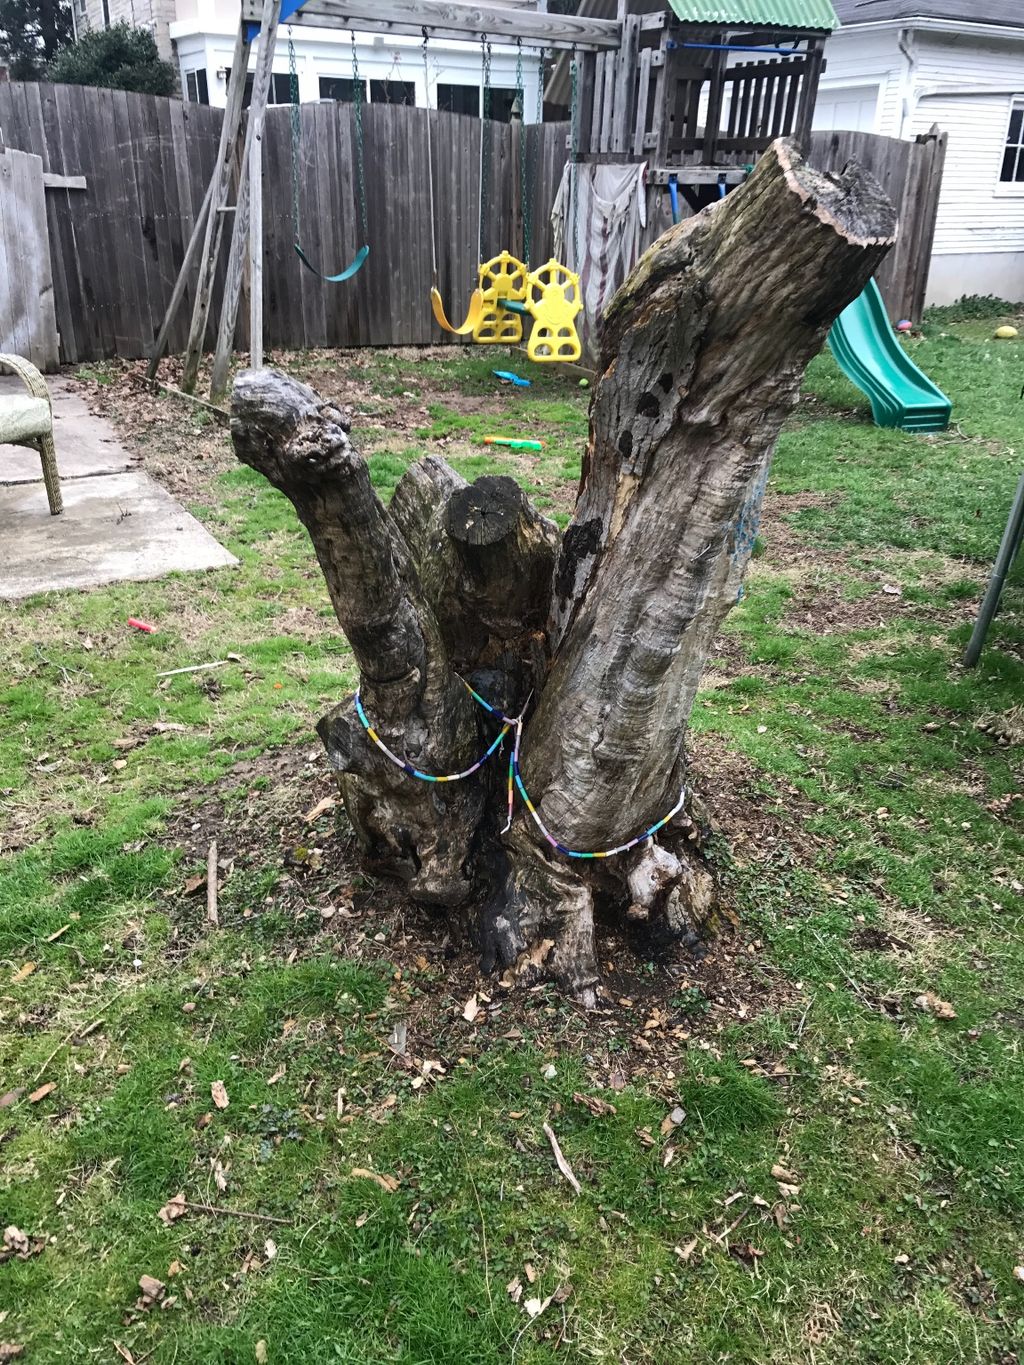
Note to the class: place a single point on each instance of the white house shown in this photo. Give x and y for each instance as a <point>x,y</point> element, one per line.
<point>199,36</point>
<point>897,67</point>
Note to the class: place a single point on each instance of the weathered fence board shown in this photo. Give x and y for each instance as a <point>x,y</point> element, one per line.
<point>911,173</point>
<point>117,244</point>
<point>28,324</point>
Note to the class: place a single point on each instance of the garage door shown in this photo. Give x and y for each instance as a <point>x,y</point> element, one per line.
<point>852,109</point>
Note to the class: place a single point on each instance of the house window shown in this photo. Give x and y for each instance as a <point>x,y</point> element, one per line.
<point>501,103</point>
<point>280,91</point>
<point>459,99</point>
<point>393,92</point>
<point>341,88</point>
<point>196,89</point>
<point>1012,170</point>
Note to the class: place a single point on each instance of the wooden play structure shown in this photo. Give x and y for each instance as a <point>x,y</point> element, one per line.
<point>700,88</point>
<point>696,89</point>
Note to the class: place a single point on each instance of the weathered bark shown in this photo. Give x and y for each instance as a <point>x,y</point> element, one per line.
<point>702,355</point>
<point>421,832</point>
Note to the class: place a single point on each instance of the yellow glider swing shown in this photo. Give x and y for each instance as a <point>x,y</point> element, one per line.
<point>476,302</point>
<point>507,288</point>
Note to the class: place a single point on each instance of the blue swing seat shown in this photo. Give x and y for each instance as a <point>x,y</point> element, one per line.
<point>358,261</point>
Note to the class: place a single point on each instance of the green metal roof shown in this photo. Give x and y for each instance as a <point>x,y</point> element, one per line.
<point>786,14</point>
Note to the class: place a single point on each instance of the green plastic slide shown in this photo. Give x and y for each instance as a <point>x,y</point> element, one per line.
<point>869,354</point>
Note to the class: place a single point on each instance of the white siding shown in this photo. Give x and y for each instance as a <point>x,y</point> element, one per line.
<point>965,84</point>
<point>859,63</point>
<point>976,213</point>
<point>328,52</point>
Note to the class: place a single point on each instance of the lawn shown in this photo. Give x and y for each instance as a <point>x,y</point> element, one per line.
<point>814,1149</point>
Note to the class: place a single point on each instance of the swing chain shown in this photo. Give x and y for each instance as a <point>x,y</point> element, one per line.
<point>485,138</point>
<point>430,158</point>
<point>524,152</point>
<point>294,115</point>
<point>357,102</point>
<point>574,123</point>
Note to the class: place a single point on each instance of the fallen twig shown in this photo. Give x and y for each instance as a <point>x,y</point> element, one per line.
<point>78,1033</point>
<point>722,1236</point>
<point>194,668</point>
<point>237,1213</point>
<point>211,884</point>
<point>560,1160</point>
<point>191,398</point>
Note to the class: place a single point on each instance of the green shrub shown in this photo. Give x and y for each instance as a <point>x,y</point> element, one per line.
<point>117,58</point>
<point>969,307</point>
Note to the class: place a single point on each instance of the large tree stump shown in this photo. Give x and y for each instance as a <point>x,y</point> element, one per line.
<point>602,637</point>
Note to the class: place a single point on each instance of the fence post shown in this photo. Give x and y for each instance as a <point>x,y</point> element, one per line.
<point>240,228</point>
<point>255,170</point>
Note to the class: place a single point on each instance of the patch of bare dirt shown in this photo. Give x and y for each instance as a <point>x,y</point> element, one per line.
<point>279,813</point>
<point>755,826</point>
<point>180,444</point>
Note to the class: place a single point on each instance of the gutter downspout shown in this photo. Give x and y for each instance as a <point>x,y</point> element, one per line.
<point>908,91</point>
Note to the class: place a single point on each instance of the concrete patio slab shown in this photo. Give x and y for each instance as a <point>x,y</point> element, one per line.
<point>116,527</point>
<point>86,445</point>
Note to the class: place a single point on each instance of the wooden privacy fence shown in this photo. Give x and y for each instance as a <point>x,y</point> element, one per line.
<point>911,174</point>
<point>117,245</point>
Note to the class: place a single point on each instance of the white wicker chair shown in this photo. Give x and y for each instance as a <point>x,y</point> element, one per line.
<point>27,420</point>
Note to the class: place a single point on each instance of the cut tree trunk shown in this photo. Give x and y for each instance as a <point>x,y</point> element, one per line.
<point>600,640</point>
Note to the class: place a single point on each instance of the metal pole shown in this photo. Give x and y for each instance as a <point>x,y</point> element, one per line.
<point>1009,547</point>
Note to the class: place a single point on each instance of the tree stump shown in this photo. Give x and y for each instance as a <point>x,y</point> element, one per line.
<point>598,637</point>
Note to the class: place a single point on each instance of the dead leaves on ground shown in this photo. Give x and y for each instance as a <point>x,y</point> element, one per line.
<point>529,966</point>
<point>321,808</point>
<point>672,1120</point>
<point>929,1003</point>
<point>154,1292</point>
<point>173,1210</point>
<point>219,1094</point>
<point>19,1244</point>
<point>598,1107</point>
<point>534,1307</point>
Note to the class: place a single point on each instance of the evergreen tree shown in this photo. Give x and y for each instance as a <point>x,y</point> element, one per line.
<point>32,32</point>
<point>118,58</point>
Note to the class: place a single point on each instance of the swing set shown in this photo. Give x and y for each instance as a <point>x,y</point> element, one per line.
<point>507,289</point>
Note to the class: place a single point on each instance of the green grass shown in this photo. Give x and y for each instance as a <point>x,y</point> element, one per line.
<point>873,806</point>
